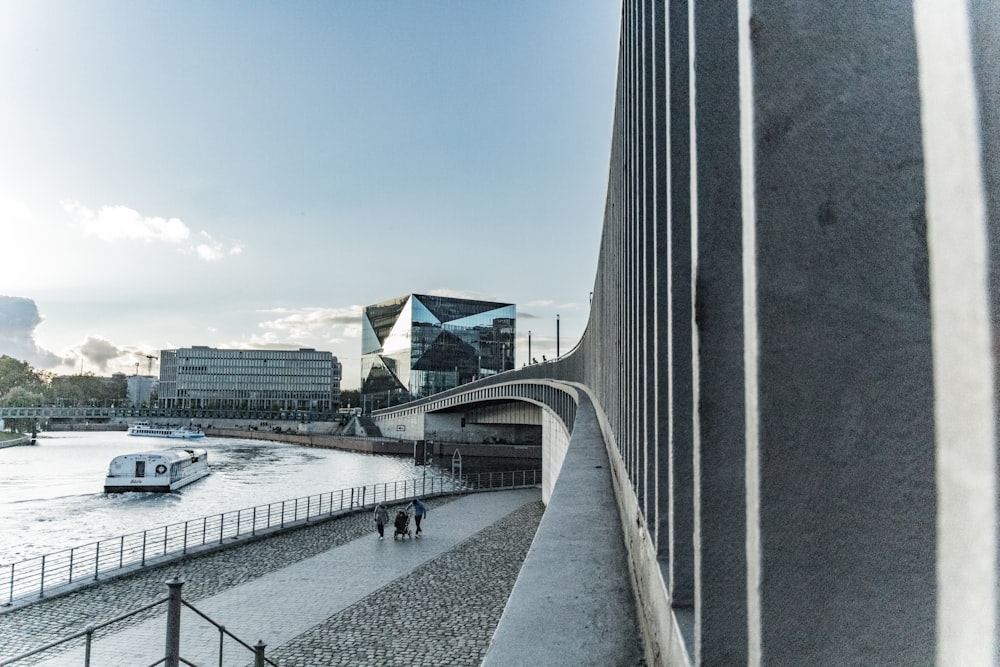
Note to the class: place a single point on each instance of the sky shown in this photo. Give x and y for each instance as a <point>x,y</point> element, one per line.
<point>252,174</point>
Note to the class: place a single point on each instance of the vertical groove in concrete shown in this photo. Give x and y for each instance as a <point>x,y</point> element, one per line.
<point>754,572</point>
<point>719,478</point>
<point>677,306</point>
<point>964,383</point>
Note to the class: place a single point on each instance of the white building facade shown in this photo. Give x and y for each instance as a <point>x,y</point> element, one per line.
<point>140,389</point>
<point>210,378</point>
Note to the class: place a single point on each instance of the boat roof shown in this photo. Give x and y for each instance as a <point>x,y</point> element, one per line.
<point>180,454</point>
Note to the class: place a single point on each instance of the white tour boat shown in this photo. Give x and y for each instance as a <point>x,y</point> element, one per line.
<point>146,429</point>
<point>161,472</point>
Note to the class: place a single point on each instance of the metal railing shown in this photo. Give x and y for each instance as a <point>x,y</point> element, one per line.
<point>54,572</point>
<point>172,657</point>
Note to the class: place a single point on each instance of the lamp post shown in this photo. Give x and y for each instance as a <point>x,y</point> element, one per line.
<point>557,335</point>
<point>529,347</point>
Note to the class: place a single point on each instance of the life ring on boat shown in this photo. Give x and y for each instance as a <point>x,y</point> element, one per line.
<point>160,469</point>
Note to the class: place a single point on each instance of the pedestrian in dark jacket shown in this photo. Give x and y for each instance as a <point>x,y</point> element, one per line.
<point>381,515</point>
<point>419,512</point>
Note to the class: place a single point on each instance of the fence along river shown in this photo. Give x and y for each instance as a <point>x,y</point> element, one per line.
<point>52,497</point>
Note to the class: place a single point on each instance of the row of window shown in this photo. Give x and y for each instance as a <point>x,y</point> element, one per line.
<point>242,393</point>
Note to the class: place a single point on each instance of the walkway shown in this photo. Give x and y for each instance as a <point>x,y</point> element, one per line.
<point>330,594</point>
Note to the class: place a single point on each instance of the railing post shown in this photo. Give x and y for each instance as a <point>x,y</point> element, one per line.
<point>308,507</point>
<point>185,547</point>
<point>97,562</point>
<point>10,598</point>
<point>144,547</point>
<point>166,533</point>
<point>258,653</point>
<point>173,644</point>
<point>253,526</point>
<point>222,525</point>
<point>71,552</point>
<point>41,584</point>
<point>86,651</point>
<point>121,552</point>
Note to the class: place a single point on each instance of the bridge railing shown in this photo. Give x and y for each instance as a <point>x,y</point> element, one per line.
<point>53,573</point>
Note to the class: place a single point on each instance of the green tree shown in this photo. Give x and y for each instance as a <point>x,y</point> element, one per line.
<point>14,373</point>
<point>19,397</point>
<point>78,390</point>
<point>350,398</point>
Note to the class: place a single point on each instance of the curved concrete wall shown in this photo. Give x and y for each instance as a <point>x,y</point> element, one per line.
<point>792,347</point>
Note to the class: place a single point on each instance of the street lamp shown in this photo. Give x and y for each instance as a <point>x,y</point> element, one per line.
<point>557,335</point>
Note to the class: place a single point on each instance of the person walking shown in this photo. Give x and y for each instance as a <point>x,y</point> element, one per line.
<point>419,512</point>
<point>381,518</point>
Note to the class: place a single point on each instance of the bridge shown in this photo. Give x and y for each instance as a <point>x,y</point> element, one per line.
<point>104,414</point>
<point>779,428</point>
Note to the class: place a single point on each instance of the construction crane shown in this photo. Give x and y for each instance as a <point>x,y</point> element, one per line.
<point>149,370</point>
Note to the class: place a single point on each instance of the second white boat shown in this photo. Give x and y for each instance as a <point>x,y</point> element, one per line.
<point>154,431</point>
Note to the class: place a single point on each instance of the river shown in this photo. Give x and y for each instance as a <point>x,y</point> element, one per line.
<point>52,494</point>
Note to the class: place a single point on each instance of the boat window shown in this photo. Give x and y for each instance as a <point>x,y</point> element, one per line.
<point>140,468</point>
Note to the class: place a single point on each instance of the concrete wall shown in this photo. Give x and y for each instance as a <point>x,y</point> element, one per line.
<point>792,345</point>
<point>555,443</point>
<point>513,423</point>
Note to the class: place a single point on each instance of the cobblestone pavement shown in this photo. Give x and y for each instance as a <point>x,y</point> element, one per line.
<point>442,614</point>
<point>460,594</point>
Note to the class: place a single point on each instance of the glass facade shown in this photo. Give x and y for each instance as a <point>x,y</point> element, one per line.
<point>205,377</point>
<point>418,345</point>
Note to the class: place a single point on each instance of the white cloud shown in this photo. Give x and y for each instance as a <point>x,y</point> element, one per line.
<point>121,223</point>
<point>312,322</point>
<point>18,320</point>
<point>461,294</point>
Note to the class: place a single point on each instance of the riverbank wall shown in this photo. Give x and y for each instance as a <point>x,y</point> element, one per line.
<point>475,458</point>
<point>17,442</point>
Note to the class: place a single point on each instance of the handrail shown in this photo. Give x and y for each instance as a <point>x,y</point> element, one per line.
<point>89,631</point>
<point>174,602</point>
<point>54,572</point>
<point>223,631</point>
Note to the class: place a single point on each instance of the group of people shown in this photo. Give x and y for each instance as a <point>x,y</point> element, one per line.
<point>416,507</point>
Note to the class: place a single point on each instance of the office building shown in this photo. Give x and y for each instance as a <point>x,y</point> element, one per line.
<point>417,345</point>
<point>205,377</point>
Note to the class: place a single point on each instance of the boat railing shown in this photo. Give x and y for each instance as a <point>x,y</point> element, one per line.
<point>67,569</point>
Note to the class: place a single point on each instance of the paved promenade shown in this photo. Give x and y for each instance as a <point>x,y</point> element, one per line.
<point>327,594</point>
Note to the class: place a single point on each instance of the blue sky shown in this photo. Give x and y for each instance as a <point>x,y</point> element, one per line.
<point>251,174</point>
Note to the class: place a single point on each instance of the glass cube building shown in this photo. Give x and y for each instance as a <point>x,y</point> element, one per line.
<point>418,345</point>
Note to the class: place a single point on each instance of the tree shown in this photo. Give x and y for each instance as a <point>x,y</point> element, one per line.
<point>19,397</point>
<point>350,398</point>
<point>14,373</point>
